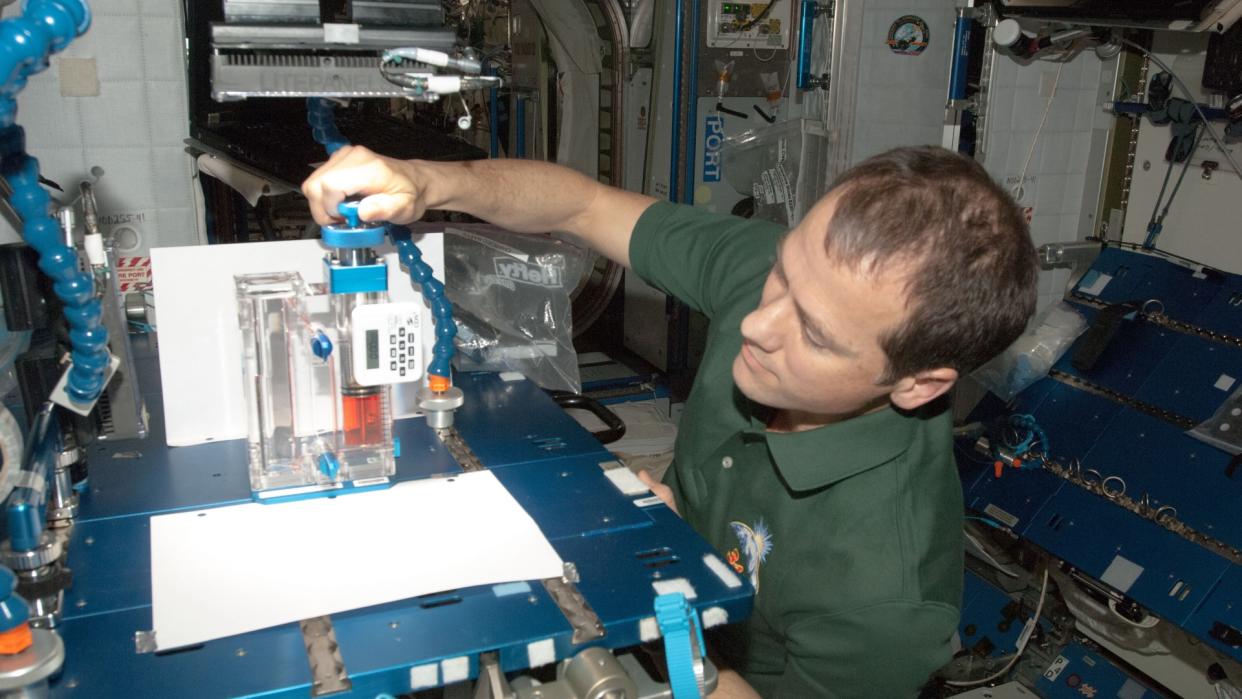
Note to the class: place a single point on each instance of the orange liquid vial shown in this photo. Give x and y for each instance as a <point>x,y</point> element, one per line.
<point>363,419</point>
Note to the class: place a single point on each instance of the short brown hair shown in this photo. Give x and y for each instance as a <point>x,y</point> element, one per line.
<point>973,269</point>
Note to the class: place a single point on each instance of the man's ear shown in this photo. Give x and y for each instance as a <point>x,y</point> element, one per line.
<point>924,387</point>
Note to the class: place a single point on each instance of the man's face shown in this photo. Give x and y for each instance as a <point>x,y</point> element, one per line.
<point>813,344</point>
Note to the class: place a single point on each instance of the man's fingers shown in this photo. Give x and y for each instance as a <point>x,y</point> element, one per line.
<point>351,170</point>
<point>397,208</point>
<point>318,201</point>
<point>660,490</point>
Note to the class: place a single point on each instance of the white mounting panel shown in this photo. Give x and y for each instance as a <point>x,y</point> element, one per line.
<point>724,19</point>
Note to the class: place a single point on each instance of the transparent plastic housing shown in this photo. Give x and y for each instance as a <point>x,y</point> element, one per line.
<point>365,424</point>
<point>306,427</point>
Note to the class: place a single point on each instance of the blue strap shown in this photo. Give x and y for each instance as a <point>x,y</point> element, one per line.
<point>679,624</point>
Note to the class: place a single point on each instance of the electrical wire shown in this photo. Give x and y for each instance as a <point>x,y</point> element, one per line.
<point>1018,189</point>
<point>988,521</point>
<point>1191,98</point>
<point>1013,660</point>
<point>758,18</point>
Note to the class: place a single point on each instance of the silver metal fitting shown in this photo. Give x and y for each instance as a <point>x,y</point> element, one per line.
<point>439,406</point>
<point>46,553</point>
<point>62,505</point>
<point>27,673</point>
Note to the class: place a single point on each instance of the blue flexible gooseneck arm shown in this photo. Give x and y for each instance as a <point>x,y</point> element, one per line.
<point>26,41</point>
<point>320,115</point>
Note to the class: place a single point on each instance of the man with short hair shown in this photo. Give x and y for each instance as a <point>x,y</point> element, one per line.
<point>815,450</point>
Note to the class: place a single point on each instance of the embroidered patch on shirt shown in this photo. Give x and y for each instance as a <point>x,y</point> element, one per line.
<point>755,544</point>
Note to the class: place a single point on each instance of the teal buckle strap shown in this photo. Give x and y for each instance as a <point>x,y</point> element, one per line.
<point>683,644</point>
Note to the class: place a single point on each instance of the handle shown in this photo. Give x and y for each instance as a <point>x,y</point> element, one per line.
<point>616,427</point>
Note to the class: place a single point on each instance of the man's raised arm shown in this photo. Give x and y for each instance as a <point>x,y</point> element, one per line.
<point>526,196</point>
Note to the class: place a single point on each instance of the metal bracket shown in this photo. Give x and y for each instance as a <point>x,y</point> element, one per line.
<point>583,619</point>
<point>459,450</point>
<point>492,683</point>
<point>328,674</point>
<point>144,642</point>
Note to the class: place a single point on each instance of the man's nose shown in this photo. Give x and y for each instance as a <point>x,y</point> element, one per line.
<point>763,326</point>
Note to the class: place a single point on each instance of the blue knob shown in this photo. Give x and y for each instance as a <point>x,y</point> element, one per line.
<point>329,465</point>
<point>349,209</point>
<point>321,346</point>
<point>13,609</point>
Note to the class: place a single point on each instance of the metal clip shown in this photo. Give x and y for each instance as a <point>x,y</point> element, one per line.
<point>1075,470</point>
<point>328,674</point>
<point>1113,494</point>
<point>1155,304</point>
<point>1092,484</point>
<point>1164,513</point>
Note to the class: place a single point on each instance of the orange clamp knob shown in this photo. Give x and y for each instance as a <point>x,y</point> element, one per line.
<point>16,639</point>
<point>998,468</point>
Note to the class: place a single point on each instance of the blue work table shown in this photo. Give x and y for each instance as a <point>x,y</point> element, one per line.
<point>619,544</point>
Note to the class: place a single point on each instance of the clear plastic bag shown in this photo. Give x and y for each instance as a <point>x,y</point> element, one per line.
<point>781,165</point>
<point>1030,357</point>
<point>511,300</point>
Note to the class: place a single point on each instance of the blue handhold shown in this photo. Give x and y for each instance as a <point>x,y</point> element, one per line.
<point>13,609</point>
<point>321,346</point>
<point>349,210</point>
<point>329,465</point>
<point>25,526</point>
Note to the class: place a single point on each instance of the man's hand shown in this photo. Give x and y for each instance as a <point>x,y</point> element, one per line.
<point>660,490</point>
<point>394,190</point>
<point>732,686</point>
<point>525,196</point>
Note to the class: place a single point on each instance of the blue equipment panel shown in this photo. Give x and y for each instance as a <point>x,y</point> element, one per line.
<point>991,621</point>
<point>620,546</point>
<point>1153,457</point>
<point>1147,367</point>
<point>1188,381</point>
<point>1120,370</point>
<point>1136,277</point>
<point>1173,575</point>
<point>1079,672</point>
<point>534,428</point>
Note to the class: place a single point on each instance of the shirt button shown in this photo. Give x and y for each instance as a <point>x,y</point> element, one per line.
<point>727,462</point>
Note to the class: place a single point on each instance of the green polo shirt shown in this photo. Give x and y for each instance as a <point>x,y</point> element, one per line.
<point>851,533</point>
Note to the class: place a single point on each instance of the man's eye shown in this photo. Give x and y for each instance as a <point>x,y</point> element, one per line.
<point>812,341</point>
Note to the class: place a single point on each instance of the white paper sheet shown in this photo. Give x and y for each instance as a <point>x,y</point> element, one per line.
<point>200,341</point>
<point>229,570</point>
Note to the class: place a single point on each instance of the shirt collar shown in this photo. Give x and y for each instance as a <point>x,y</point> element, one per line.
<point>826,455</point>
